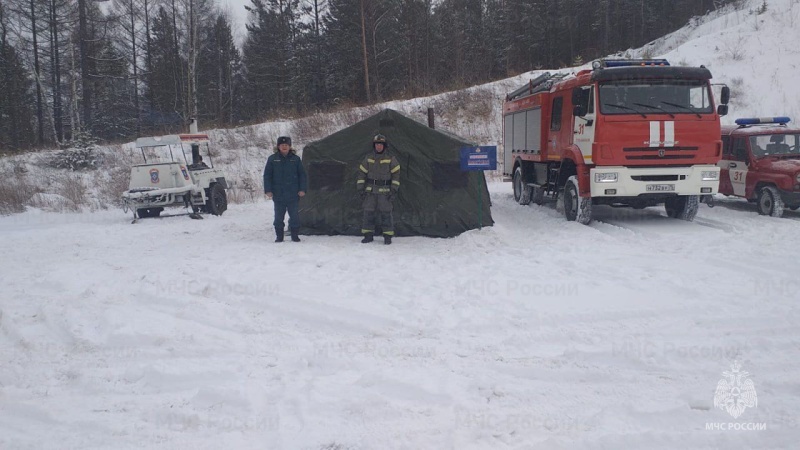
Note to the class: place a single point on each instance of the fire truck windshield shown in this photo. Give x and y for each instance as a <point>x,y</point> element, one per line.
<point>655,97</point>
<point>775,145</point>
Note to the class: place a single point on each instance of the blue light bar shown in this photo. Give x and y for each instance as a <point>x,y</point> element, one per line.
<point>635,62</point>
<point>760,120</point>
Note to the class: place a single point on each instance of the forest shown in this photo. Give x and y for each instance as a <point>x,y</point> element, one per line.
<point>110,71</point>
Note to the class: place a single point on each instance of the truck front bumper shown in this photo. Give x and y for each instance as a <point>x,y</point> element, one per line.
<point>632,181</point>
<point>155,198</point>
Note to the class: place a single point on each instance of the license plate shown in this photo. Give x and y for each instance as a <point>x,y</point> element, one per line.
<point>660,187</point>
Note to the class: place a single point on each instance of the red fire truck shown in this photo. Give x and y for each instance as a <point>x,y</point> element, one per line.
<point>632,133</point>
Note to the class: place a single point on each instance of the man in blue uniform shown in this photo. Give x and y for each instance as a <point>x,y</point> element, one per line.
<point>284,183</point>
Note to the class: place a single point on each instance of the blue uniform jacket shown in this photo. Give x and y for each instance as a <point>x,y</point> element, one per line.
<point>284,176</point>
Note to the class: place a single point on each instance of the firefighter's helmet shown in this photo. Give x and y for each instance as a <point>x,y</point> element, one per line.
<point>379,139</point>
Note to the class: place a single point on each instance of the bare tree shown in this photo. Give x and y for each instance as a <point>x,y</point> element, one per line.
<point>364,50</point>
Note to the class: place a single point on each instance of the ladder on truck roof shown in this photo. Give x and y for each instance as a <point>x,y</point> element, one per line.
<point>541,83</point>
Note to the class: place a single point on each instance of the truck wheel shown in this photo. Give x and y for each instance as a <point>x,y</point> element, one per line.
<point>144,213</point>
<point>576,208</point>
<point>522,192</point>
<point>217,200</point>
<point>770,202</point>
<point>682,207</point>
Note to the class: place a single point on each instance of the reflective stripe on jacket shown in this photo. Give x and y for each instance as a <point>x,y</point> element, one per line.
<point>379,173</point>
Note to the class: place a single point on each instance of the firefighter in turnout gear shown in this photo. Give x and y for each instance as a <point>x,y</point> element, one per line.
<point>378,183</point>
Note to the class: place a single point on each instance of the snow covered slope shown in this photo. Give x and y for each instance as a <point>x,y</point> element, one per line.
<point>531,334</point>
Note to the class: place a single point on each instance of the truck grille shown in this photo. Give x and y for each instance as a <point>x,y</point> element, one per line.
<point>652,153</point>
<point>657,177</point>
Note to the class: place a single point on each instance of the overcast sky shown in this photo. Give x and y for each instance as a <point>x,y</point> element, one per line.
<point>238,16</point>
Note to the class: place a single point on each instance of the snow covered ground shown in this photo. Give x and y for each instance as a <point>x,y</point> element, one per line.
<point>535,333</point>
<point>532,334</point>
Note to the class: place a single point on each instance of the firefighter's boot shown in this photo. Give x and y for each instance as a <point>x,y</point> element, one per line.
<point>368,237</point>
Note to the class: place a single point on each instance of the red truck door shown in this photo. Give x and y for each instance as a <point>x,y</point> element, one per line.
<point>583,127</point>
<point>725,186</point>
<point>737,166</point>
<point>560,135</point>
<point>556,113</point>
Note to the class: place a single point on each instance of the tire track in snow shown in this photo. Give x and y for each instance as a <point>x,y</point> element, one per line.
<point>715,224</point>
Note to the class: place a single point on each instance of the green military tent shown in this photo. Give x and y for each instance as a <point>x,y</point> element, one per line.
<point>435,199</point>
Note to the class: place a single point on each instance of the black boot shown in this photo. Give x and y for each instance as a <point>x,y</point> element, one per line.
<point>295,237</point>
<point>367,238</point>
<point>278,234</point>
<point>387,240</point>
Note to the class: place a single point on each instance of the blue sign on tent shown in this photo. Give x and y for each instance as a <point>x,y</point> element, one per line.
<point>479,158</point>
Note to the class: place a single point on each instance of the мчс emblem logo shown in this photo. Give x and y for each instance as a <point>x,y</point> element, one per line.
<point>735,392</point>
<point>154,176</point>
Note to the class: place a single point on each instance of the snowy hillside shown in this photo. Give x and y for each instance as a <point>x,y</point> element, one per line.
<point>535,333</point>
<point>755,54</point>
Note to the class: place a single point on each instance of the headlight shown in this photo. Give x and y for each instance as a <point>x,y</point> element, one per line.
<point>607,177</point>
<point>711,175</point>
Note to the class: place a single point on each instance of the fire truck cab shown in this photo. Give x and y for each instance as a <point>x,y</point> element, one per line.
<point>761,162</point>
<point>626,133</point>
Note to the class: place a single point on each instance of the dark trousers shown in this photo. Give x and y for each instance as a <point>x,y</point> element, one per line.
<point>377,208</point>
<point>280,213</point>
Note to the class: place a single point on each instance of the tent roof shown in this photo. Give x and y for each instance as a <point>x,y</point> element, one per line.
<point>391,124</point>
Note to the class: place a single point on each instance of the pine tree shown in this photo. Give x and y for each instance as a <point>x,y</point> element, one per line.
<point>164,80</point>
<point>16,115</point>
<point>310,44</point>
<point>218,70</point>
<point>270,58</point>
<point>345,78</point>
<point>114,112</point>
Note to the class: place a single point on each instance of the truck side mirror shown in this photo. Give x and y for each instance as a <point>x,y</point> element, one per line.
<point>579,110</point>
<point>725,96</point>
<point>722,110</point>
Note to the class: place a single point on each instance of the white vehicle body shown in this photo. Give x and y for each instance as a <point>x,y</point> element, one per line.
<point>158,184</point>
